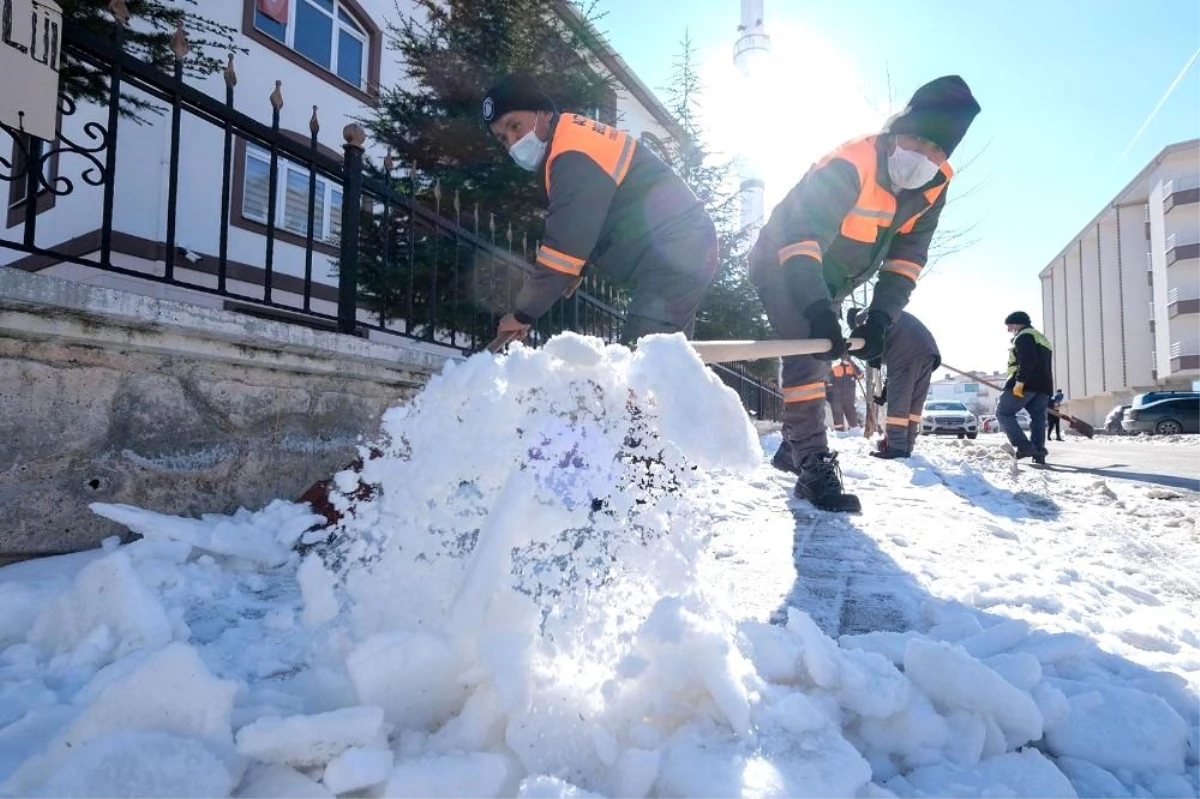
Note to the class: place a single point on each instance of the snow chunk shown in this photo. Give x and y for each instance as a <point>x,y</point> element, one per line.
<point>954,679</point>
<point>170,691</point>
<point>264,537</point>
<point>543,787</point>
<point>1025,773</point>
<point>358,768</point>
<point>1117,728</point>
<point>107,593</point>
<point>1091,780</point>
<point>482,775</point>
<point>135,764</point>
<point>269,781</point>
<point>307,741</point>
<point>412,676</point>
<point>317,586</point>
<point>667,369</point>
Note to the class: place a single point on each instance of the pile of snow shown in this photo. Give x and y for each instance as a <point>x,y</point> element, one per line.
<point>517,604</point>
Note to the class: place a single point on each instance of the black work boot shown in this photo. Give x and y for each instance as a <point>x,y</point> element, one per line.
<point>820,483</point>
<point>782,460</point>
<point>887,453</point>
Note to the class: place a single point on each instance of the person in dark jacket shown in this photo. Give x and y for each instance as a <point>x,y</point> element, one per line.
<point>870,206</point>
<point>611,203</point>
<point>842,384</point>
<point>1053,421</point>
<point>911,356</point>
<point>1030,384</point>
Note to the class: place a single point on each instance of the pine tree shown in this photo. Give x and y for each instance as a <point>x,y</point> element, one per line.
<point>152,25</point>
<point>731,309</point>
<point>453,51</point>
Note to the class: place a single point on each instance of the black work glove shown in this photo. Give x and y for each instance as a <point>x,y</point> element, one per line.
<point>823,323</point>
<point>937,361</point>
<point>877,363</point>
<point>873,332</point>
<point>882,398</point>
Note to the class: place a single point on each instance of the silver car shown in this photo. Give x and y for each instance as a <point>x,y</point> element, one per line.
<point>948,418</point>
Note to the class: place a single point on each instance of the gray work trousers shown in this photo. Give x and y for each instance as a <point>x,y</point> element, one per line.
<point>672,275</point>
<point>1006,415</point>
<point>845,410</point>
<point>907,388</point>
<point>802,377</point>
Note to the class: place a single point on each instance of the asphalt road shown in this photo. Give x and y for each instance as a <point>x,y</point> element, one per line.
<point>1172,465</point>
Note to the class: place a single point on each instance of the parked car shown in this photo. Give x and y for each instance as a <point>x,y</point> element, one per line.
<point>948,418</point>
<point>1163,412</point>
<point>1112,422</point>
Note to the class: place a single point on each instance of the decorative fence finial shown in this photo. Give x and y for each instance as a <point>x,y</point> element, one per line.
<point>314,124</point>
<point>277,96</point>
<point>230,74</point>
<point>179,42</point>
<point>389,163</point>
<point>354,135</point>
<point>119,11</point>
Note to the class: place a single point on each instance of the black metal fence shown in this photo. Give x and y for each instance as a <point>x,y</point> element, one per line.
<point>405,260</point>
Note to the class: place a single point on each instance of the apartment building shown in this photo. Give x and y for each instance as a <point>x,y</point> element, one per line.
<point>976,395</point>
<point>1121,301</point>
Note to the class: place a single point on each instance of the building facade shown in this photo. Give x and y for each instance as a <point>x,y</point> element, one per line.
<point>1121,302</point>
<point>318,64</point>
<point>980,398</point>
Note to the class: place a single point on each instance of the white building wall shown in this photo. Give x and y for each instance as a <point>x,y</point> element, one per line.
<point>1076,327</point>
<point>1112,326</point>
<point>1139,342</point>
<point>1092,334</point>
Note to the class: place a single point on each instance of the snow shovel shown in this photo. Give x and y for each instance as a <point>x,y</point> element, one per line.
<point>1078,425</point>
<point>725,351</point>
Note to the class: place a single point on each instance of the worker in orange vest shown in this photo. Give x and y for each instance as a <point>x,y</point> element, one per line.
<point>842,393</point>
<point>868,208</point>
<point>612,204</point>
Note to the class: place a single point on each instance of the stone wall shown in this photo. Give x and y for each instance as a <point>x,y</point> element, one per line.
<point>115,397</point>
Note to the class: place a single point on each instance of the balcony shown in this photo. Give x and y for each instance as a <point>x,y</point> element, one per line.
<point>1178,249</point>
<point>1184,357</point>
<point>1181,191</point>
<point>1178,303</point>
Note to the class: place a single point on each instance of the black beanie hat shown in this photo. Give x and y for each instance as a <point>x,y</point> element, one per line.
<point>940,111</point>
<point>1018,318</point>
<point>515,92</point>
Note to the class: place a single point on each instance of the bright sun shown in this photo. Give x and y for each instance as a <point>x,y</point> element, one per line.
<point>801,102</point>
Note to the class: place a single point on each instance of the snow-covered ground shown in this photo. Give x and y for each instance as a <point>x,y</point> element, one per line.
<point>577,576</point>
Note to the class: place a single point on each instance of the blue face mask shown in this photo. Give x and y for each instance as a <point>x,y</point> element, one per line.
<point>528,151</point>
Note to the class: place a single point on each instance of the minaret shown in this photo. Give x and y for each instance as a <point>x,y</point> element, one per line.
<point>751,50</point>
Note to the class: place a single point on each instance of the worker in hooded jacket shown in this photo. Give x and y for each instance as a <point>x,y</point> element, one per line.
<point>869,207</point>
<point>611,204</point>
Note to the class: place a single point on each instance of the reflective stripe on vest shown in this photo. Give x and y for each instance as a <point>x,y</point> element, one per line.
<point>1012,350</point>
<point>875,206</point>
<point>611,149</point>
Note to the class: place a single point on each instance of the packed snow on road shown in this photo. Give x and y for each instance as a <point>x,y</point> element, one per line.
<point>570,572</point>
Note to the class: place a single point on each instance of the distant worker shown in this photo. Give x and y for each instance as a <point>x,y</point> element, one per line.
<point>611,203</point>
<point>841,388</point>
<point>1054,421</point>
<point>911,357</point>
<point>1029,386</point>
<point>869,207</point>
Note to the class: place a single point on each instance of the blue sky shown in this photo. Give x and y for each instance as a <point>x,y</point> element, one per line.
<point>1065,85</point>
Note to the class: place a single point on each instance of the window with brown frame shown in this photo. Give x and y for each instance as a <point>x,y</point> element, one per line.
<point>18,190</point>
<point>251,182</point>
<point>333,39</point>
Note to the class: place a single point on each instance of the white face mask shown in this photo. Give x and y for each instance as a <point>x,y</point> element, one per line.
<point>528,151</point>
<point>909,169</point>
